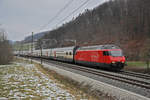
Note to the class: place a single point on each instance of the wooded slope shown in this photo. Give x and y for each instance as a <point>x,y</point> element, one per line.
<point>125,23</point>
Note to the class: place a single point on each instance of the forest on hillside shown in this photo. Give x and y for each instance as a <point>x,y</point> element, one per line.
<point>125,23</point>
<point>6,54</point>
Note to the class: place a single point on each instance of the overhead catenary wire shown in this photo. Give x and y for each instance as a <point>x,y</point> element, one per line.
<point>84,3</point>
<point>57,14</point>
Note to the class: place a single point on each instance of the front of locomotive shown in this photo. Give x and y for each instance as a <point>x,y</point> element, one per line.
<point>117,59</point>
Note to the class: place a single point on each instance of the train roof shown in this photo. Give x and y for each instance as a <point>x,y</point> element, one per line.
<point>65,48</point>
<point>97,47</point>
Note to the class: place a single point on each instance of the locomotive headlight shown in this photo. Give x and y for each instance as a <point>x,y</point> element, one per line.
<point>112,62</point>
<point>122,61</point>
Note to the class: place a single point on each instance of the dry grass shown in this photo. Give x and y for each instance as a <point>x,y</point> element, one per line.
<point>79,90</point>
<point>137,66</point>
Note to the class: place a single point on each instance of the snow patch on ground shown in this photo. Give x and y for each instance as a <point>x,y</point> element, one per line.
<point>25,81</point>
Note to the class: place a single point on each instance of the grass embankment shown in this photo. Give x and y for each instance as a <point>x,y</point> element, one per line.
<point>138,66</point>
<point>79,90</point>
<point>25,81</point>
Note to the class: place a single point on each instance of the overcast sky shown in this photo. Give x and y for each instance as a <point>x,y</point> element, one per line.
<point>20,17</point>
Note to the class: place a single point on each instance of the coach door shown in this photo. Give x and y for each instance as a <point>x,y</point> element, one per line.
<point>105,56</point>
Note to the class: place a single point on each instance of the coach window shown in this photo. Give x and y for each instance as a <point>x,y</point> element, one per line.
<point>66,53</point>
<point>70,53</point>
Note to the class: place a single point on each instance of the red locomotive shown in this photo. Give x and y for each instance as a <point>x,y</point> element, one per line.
<point>103,56</point>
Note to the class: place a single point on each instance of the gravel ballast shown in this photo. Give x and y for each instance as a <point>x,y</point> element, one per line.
<point>97,83</point>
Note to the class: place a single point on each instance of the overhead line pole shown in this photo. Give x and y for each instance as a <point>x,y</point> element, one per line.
<point>32,47</point>
<point>32,43</point>
<point>64,18</point>
<point>41,47</point>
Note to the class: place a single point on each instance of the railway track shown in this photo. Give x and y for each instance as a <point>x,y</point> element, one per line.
<point>134,74</point>
<point>121,77</point>
<point>109,75</point>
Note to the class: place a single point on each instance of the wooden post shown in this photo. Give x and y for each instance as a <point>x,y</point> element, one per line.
<point>32,48</point>
<point>41,51</point>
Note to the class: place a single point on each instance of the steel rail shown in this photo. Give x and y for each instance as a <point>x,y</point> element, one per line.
<point>103,74</point>
<point>109,75</point>
<point>135,74</point>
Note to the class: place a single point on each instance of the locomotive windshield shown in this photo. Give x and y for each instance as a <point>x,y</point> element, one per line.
<point>116,53</point>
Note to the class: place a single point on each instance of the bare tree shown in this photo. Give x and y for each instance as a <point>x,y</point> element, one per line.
<point>5,48</point>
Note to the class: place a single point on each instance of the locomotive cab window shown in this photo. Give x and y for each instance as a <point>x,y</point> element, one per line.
<point>105,53</point>
<point>116,53</point>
